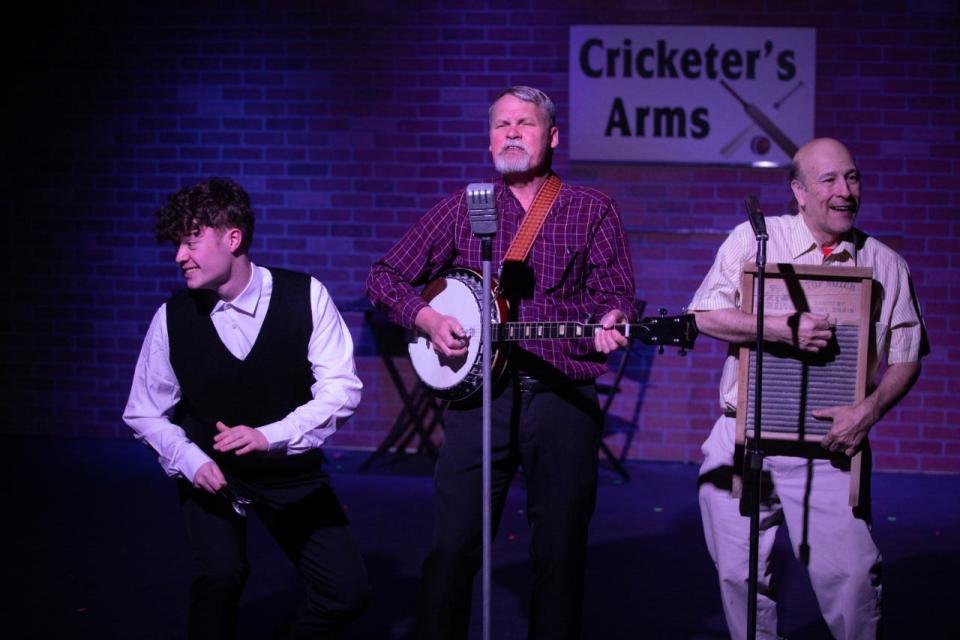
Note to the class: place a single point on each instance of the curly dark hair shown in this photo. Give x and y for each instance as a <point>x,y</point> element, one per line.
<point>218,203</point>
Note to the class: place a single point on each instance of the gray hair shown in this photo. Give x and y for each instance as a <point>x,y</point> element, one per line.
<point>796,173</point>
<point>529,94</point>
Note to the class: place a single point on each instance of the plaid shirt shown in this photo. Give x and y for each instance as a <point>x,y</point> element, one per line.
<point>580,261</point>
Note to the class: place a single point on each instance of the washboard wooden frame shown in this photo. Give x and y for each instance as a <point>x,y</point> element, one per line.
<point>795,383</point>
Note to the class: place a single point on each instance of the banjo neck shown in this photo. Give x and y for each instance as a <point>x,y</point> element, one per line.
<point>515,331</point>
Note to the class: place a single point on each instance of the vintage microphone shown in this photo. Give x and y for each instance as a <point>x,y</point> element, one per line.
<point>753,456</point>
<point>482,209</point>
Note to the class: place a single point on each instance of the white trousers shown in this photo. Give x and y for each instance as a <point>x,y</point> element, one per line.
<point>811,497</point>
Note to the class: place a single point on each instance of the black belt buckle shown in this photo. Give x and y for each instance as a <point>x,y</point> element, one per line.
<point>529,384</point>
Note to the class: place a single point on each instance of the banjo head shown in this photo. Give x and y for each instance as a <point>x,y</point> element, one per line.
<point>456,293</point>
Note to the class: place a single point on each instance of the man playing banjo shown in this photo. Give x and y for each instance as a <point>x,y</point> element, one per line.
<point>545,414</point>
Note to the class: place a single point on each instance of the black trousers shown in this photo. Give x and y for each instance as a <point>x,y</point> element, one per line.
<point>554,433</point>
<point>313,533</point>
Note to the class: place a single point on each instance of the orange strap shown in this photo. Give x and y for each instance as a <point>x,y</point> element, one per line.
<point>529,229</point>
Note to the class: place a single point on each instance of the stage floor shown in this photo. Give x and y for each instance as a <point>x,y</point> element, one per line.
<point>95,548</point>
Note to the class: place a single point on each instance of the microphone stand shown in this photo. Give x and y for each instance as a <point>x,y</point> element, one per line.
<point>753,459</point>
<point>482,210</point>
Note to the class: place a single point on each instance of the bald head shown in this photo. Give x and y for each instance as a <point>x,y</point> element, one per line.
<point>826,183</point>
<point>810,153</point>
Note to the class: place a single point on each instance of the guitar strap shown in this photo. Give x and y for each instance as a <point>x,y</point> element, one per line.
<point>530,227</point>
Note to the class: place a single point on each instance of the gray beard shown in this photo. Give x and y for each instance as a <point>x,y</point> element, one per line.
<point>507,166</point>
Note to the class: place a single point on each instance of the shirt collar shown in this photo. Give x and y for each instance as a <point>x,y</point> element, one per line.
<point>248,299</point>
<point>845,250</point>
<point>803,242</point>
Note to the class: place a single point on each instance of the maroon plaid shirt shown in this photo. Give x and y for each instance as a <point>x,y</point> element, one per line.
<point>580,260</point>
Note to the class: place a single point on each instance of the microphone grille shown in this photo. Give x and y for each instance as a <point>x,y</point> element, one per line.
<point>479,195</point>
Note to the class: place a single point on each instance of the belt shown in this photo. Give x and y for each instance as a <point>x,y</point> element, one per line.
<point>528,383</point>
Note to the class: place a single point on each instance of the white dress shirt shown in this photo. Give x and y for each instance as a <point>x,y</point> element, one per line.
<point>336,388</point>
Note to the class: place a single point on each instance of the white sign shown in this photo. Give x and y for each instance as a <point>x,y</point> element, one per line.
<point>714,95</point>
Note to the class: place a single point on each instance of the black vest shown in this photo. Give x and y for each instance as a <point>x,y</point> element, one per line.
<point>274,379</point>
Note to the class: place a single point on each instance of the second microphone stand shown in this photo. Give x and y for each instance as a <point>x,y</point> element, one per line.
<point>753,455</point>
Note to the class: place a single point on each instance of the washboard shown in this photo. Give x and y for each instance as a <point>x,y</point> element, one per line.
<point>795,382</point>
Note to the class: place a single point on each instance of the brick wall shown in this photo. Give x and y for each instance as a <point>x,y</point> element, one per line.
<point>346,124</point>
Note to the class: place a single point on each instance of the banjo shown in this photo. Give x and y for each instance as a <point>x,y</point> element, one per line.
<point>459,293</point>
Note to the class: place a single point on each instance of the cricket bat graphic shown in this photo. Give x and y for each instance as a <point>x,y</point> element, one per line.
<point>766,125</point>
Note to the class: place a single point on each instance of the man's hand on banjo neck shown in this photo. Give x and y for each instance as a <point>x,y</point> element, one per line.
<point>609,339</point>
